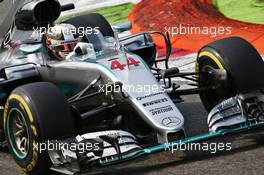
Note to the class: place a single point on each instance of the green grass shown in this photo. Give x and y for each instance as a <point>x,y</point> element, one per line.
<point>115,15</point>
<point>251,11</point>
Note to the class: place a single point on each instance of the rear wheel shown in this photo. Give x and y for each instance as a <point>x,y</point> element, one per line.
<point>34,114</point>
<point>237,58</point>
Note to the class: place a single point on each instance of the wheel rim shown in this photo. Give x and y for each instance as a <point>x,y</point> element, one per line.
<point>211,99</point>
<point>18,133</point>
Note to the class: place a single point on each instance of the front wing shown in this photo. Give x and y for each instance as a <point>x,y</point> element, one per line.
<point>128,149</point>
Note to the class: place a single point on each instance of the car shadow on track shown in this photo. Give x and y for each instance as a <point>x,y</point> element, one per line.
<point>255,139</point>
<point>195,124</point>
<point>4,150</point>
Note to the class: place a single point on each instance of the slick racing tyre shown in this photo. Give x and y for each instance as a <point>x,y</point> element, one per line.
<point>34,114</point>
<point>92,20</point>
<point>232,66</point>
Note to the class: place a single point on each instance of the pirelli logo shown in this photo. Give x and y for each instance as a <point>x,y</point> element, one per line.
<point>155,102</point>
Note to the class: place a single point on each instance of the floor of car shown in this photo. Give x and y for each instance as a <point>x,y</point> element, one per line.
<point>195,115</point>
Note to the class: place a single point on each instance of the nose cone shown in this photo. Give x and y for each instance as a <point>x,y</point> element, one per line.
<point>160,112</point>
<point>171,122</point>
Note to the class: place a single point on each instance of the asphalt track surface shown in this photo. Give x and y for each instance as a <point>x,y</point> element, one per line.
<point>246,156</point>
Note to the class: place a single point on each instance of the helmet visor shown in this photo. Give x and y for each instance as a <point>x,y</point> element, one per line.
<point>64,47</point>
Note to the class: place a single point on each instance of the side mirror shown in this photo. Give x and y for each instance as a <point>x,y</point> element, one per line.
<point>122,27</point>
<point>67,7</point>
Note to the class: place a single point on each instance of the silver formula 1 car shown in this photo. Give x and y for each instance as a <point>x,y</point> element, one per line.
<point>109,100</point>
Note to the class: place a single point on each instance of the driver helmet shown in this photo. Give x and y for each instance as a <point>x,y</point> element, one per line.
<point>61,40</point>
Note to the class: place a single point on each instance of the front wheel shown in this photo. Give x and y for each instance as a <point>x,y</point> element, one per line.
<point>238,59</point>
<point>34,114</point>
